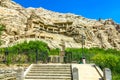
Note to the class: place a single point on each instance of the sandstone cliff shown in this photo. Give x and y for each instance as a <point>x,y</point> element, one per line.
<point>55,28</point>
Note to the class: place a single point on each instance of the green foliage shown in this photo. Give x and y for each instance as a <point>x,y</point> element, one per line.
<point>31,57</point>
<point>31,45</point>
<point>116,76</point>
<point>107,60</point>
<point>8,60</point>
<point>54,51</point>
<point>25,52</point>
<point>104,58</point>
<point>2,27</point>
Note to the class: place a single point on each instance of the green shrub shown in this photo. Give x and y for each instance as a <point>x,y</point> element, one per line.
<point>116,76</point>
<point>8,59</point>
<point>25,51</point>
<point>54,51</point>
<point>31,57</point>
<point>106,60</point>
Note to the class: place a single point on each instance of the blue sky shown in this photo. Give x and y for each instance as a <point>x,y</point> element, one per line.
<point>93,9</point>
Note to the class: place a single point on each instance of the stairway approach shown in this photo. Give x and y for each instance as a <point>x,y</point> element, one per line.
<point>49,72</point>
<point>88,71</point>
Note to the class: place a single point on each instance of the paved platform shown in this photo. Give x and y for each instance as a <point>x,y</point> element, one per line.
<point>88,71</point>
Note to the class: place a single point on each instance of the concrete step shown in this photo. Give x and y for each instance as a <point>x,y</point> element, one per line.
<point>42,74</point>
<point>51,66</point>
<point>56,72</point>
<point>47,77</point>
<point>48,65</point>
<point>50,69</point>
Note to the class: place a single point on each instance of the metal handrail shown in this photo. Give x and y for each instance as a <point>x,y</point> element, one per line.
<point>71,72</point>
<point>98,72</point>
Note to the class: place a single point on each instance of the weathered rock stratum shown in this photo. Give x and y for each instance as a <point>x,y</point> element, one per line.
<point>55,28</point>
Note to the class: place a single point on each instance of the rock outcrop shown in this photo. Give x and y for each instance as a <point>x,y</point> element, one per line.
<point>53,28</point>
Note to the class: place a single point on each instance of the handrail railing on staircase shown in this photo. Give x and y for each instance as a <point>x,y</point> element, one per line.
<point>98,72</point>
<point>71,72</point>
<point>27,70</point>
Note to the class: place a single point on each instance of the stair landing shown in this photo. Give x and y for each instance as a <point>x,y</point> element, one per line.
<point>87,72</point>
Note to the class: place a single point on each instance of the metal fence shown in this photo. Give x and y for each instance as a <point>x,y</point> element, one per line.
<point>77,57</point>
<point>15,56</point>
<point>35,56</point>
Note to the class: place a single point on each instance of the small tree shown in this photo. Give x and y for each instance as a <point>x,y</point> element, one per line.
<point>1,29</point>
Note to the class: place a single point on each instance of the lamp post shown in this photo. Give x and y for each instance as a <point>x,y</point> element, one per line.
<point>83,42</point>
<point>83,56</point>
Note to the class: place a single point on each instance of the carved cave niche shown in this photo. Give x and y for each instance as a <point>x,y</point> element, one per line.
<point>94,27</point>
<point>50,30</point>
<point>103,45</point>
<point>5,30</point>
<point>14,33</point>
<point>118,42</point>
<point>114,44</point>
<point>41,27</point>
<point>38,36</point>
<point>45,27</point>
<point>42,37</point>
<point>11,40</point>
<point>32,36</point>
<point>109,40</point>
<point>99,35</point>
<point>36,22</point>
<point>70,28</point>
<point>16,38</point>
<point>95,31</point>
<point>85,27</point>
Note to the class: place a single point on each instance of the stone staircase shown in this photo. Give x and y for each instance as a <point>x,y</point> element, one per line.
<point>49,72</point>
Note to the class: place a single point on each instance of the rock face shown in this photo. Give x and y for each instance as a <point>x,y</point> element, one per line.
<point>55,28</point>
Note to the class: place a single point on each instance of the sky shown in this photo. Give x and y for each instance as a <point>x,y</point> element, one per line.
<point>92,9</point>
